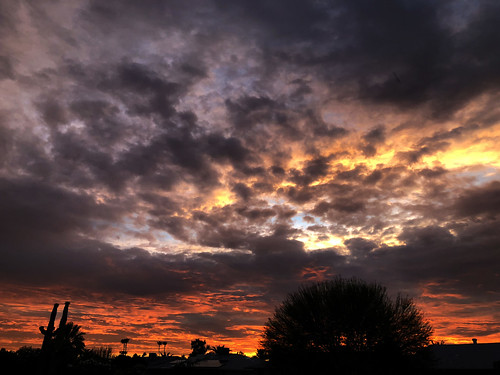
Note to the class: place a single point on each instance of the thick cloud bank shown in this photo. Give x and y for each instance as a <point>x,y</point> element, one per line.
<point>188,163</point>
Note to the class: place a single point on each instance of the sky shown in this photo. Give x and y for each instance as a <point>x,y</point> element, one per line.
<point>175,168</point>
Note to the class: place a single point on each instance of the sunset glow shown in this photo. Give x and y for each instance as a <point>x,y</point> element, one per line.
<point>174,169</point>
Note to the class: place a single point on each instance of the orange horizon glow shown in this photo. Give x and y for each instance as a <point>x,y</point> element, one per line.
<point>105,324</point>
<point>174,174</point>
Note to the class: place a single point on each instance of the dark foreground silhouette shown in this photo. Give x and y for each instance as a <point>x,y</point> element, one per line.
<point>328,328</point>
<point>347,326</point>
<point>27,360</point>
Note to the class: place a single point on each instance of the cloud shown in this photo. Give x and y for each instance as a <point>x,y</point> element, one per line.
<point>159,154</point>
<point>360,247</point>
<point>33,211</point>
<point>480,201</point>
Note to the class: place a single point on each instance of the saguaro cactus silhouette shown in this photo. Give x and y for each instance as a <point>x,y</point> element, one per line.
<point>60,346</point>
<point>64,317</point>
<point>48,332</point>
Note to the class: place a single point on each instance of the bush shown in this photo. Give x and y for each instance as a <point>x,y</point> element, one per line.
<point>346,325</point>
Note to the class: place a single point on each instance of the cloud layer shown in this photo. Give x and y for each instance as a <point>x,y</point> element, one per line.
<point>184,165</point>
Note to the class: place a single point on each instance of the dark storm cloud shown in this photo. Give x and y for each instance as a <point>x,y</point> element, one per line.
<point>302,90</point>
<point>255,117</point>
<point>276,263</point>
<point>360,247</point>
<point>432,173</point>
<point>439,141</point>
<point>8,17</point>
<point>256,214</point>
<point>322,129</point>
<point>216,324</point>
<point>460,264</point>
<point>55,220</point>
<point>373,177</point>
<point>181,142</point>
<point>313,170</point>
<point>455,133</point>
<point>101,121</point>
<point>351,175</point>
<point>483,200</point>
<point>158,95</point>
<point>347,204</point>
<point>360,198</point>
<point>372,139</point>
<point>145,89</point>
<point>160,204</point>
<point>301,195</point>
<point>440,54</point>
<point>237,226</point>
<point>81,163</point>
<point>116,15</point>
<point>35,212</point>
<point>145,92</point>
<point>249,111</point>
<point>182,147</point>
<point>46,241</point>
<point>231,149</point>
<point>376,135</point>
<point>54,217</point>
<point>5,142</point>
<point>243,191</point>
<point>415,156</point>
<point>6,68</point>
<point>174,225</point>
<point>84,157</point>
<point>52,112</point>
<point>98,267</point>
<point>137,272</point>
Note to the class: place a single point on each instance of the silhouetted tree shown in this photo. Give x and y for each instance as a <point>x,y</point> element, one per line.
<point>220,350</point>
<point>159,346</point>
<point>198,347</point>
<point>104,352</point>
<point>160,343</point>
<point>95,361</point>
<point>69,341</point>
<point>346,325</point>
<point>68,346</point>
<point>262,354</point>
<point>27,361</point>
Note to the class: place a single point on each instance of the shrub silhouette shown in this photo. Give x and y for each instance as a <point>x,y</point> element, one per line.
<point>346,325</point>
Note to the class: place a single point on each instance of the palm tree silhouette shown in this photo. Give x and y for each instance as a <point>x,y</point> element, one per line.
<point>164,343</point>
<point>68,345</point>
<point>160,343</point>
<point>69,337</point>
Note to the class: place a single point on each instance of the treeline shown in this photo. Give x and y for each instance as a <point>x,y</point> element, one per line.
<point>32,361</point>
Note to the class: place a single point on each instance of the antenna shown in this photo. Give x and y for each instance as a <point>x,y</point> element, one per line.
<point>124,342</point>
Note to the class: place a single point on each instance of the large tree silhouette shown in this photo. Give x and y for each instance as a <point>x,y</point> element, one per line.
<point>199,347</point>
<point>347,325</point>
